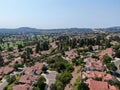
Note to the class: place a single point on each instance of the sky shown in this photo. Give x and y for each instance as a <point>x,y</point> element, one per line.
<point>59,13</point>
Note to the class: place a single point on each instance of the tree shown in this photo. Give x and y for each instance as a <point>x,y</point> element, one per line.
<point>90,48</point>
<point>117,54</point>
<point>37,47</point>
<point>53,87</point>
<point>20,47</point>
<point>26,54</point>
<point>60,66</point>
<point>94,56</point>
<point>63,53</point>
<point>73,43</point>
<point>10,49</point>
<point>107,59</point>
<point>11,79</point>
<point>16,66</point>
<point>40,85</point>
<point>45,45</point>
<point>81,43</point>
<point>108,45</point>
<point>83,86</point>
<point>70,68</point>
<point>24,57</point>
<point>116,47</point>
<point>64,77</point>
<point>1,61</point>
<point>111,66</point>
<point>29,50</point>
<point>59,85</point>
<point>10,56</point>
<point>44,69</point>
<point>1,48</point>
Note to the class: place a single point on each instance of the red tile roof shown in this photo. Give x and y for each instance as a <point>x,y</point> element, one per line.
<point>29,71</point>
<point>37,68</point>
<point>6,70</point>
<point>71,54</point>
<point>113,88</point>
<point>28,79</point>
<point>94,74</point>
<point>108,77</point>
<point>22,87</point>
<point>98,85</point>
<point>5,59</point>
<point>108,51</point>
<point>94,64</point>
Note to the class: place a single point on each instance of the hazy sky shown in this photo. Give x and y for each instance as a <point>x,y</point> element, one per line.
<point>59,13</point>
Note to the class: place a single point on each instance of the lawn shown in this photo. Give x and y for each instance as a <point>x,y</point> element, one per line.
<point>12,44</point>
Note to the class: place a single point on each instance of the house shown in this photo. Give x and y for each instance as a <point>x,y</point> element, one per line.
<point>36,69</point>
<point>23,87</point>
<point>5,59</point>
<point>17,61</point>
<point>6,70</point>
<point>53,44</point>
<point>93,64</point>
<point>98,85</point>
<point>29,71</point>
<point>45,52</point>
<point>113,87</point>
<point>34,55</point>
<point>92,74</point>
<point>114,42</point>
<point>96,47</point>
<point>16,54</point>
<point>97,74</point>
<point>28,79</point>
<point>108,51</point>
<point>71,54</point>
<point>108,77</point>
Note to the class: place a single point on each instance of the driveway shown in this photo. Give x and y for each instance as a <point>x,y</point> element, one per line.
<point>117,64</point>
<point>3,84</point>
<point>50,78</point>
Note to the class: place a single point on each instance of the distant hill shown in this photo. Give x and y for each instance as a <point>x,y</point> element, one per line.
<point>18,30</point>
<point>65,30</point>
<point>110,29</point>
<point>113,29</point>
<point>34,30</point>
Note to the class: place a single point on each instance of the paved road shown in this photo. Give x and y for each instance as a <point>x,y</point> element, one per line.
<point>3,84</point>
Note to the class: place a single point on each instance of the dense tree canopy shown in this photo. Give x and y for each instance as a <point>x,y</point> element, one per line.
<point>1,61</point>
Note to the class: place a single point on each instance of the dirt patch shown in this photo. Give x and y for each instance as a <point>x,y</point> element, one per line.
<point>76,74</point>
